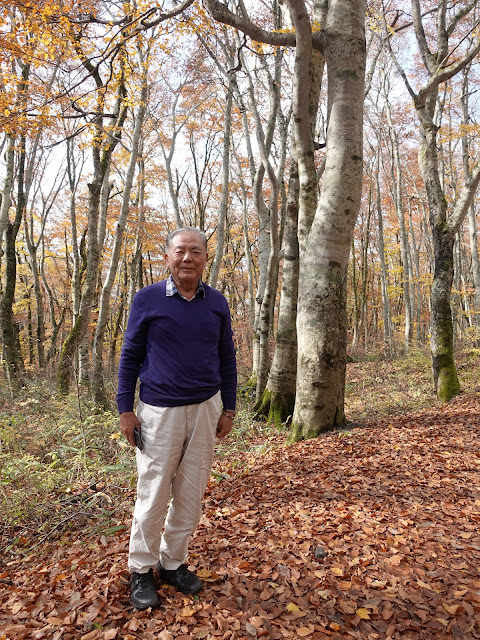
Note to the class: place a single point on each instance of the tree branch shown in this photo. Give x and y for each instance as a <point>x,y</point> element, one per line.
<point>221,13</point>
<point>464,202</point>
<point>443,75</point>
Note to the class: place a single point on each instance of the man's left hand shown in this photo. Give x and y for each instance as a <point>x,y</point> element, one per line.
<point>224,426</point>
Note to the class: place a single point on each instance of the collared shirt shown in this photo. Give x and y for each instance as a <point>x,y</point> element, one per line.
<point>171,289</point>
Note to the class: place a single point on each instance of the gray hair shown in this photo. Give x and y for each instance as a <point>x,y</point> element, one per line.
<point>172,234</point>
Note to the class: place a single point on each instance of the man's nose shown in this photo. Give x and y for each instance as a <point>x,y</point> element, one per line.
<point>187,257</point>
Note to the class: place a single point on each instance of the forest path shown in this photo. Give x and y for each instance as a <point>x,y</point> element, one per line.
<point>371,533</point>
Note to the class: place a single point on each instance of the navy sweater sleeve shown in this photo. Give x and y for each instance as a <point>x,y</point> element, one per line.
<point>133,354</point>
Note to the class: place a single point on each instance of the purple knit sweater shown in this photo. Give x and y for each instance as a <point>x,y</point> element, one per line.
<point>182,351</point>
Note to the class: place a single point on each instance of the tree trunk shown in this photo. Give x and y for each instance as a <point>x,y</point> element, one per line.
<point>222,214</point>
<point>104,306</point>
<point>384,276</point>
<point>278,399</point>
<point>103,146</point>
<point>397,186</point>
<point>444,372</point>
<point>12,356</point>
<point>321,323</point>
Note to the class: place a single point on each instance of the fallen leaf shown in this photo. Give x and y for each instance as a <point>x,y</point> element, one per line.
<point>203,573</point>
<point>345,585</point>
<point>251,630</point>
<point>305,631</point>
<point>362,613</point>
<point>257,621</point>
<point>453,609</point>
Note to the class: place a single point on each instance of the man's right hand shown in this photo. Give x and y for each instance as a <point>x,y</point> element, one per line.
<point>128,422</point>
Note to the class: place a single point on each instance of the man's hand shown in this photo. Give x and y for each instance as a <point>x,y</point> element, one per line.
<point>224,426</point>
<point>128,422</point>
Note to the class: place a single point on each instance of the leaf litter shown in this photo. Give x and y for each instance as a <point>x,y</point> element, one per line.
<point>371,533</point>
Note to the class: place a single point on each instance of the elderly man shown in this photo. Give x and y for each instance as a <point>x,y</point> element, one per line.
<point>179,344</point>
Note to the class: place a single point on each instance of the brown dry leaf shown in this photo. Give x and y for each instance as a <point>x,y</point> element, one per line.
<point>347,607</point>
<point>187,612</point>
<point>345,585</point>
<point>91,635</point>
<point>16,607</point>
<point>165,635</point>
<point>305,631</point>
<point>257,621</point>
<point>453,609</point>
<point>201,633</point>
<point>110,634</point>
<point>134,624</point>
<point>394,560</point>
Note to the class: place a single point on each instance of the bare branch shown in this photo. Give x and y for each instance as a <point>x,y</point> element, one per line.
<point>444,75</point>
<point>464,202</point>
<point>221,13</point>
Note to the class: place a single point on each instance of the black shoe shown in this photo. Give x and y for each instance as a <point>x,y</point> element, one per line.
<point>182,579</point>
<point>142,590</point>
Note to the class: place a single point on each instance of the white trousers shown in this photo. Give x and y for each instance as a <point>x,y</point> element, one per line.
<point>175,462</point>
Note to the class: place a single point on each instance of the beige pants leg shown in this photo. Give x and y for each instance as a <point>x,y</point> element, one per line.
<point>175,462</point>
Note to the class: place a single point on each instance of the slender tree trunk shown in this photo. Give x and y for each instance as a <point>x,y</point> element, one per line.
<point>222,214</point>
<point>397,179</point>
<point>104,306</point>
<point>278,399</point>
<point>472,217</point>
<point>135,267</point>
<point>384,277</point>
<point>7,186</point>
<point>11,351</point>
<point>104,144</point>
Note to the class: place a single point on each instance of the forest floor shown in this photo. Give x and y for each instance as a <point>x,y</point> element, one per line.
<point>369,532</point>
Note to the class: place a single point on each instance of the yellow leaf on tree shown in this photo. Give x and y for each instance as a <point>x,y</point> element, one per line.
<point>363,613</point>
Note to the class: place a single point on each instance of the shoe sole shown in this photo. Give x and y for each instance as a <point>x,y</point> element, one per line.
<point>150,606</point>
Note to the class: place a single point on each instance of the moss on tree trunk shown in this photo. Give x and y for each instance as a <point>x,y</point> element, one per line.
<point>276,407</point>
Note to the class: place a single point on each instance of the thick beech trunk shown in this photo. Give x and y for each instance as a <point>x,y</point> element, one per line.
<point>444,372</point>
<point>321,323</point>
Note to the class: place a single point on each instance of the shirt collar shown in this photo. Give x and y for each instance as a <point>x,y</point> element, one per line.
<point>171,289</point>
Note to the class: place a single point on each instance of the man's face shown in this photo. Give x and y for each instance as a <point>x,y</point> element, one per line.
<point>186,258</point>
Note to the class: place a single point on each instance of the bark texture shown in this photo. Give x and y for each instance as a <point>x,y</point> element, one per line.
<point>321,323</point>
